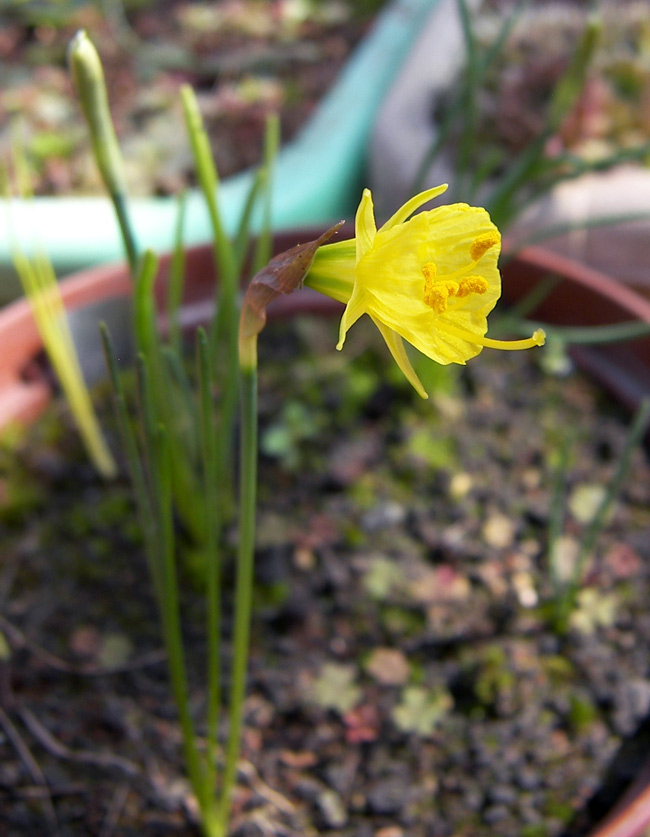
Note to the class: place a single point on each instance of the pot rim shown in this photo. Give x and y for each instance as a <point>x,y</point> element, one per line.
<point>25,392</point>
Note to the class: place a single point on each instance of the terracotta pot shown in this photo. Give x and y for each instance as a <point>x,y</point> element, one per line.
<point>103,293</point>
<point>582,297</point>
<point>586,297</point>
<point>24,388</point>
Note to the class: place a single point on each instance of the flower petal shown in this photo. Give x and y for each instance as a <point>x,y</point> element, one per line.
<point>365,227</point>
<point>440,344</point>
<point>405,212</point>
<point>396,346</point>
<point>332,272</point>
<point>356,307</point>
<point>431,279</point>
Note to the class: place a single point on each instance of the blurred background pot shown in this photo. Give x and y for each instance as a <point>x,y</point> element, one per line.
<point>583,296</point>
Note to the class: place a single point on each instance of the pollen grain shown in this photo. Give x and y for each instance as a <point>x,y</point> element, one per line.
<point>437,291</point>
<point>472,285</point>
<point>483,243</point>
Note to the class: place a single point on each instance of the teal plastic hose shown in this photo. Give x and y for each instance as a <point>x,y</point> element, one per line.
<point>318,177</point>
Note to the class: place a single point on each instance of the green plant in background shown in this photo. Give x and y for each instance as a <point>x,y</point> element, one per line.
<point>88,77</point>
<point>506,184</point>
<point>42,291</point>
<point>179,448</point>
<point>429,278</point>
<point>566,585</point>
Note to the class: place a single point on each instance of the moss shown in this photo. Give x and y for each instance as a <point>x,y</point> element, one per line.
<point>560,810</point>
<point>402,622</point>
<point>535,830</point>
<point>558,669</point>
<point>489,673</point>
<point>582,713</point>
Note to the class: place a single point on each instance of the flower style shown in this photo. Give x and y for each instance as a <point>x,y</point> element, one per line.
<point>430,279</point>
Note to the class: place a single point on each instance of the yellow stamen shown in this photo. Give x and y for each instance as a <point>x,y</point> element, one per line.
<point>430,271</point>
<point>538,338</point>
<point>434,297</point>
<point>472,285</point>
<point>483,243</point>
<point>437,291</point>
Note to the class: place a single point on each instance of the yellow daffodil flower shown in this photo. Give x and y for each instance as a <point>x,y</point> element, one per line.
<point>430,278</point>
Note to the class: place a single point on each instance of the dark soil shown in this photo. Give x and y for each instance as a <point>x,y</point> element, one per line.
<point>404,678</point>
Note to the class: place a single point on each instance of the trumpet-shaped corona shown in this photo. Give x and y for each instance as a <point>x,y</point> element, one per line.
<point>430,278</point>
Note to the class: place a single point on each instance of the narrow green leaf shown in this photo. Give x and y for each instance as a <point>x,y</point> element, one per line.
<point>42,291</point>
<point>177,278</point>
<point>89,81</point>
<point>209,182</point>
<point>137,472</point>
<point>243,584</point>
<point>213,514</point>
<point>264,243</point>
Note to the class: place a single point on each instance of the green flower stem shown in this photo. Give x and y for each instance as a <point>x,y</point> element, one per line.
<point>152,479</point>
<point>261,187</point>
<point>159,462</point>
<point>88,77</point>
<point>136,469</point>
<point>209,181</point>
<point>223,331</point>
<point>213,512</point>
<point>145,311</point>
<point>244,582</point>
<point>241,240</point>
<point>167,395</point>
